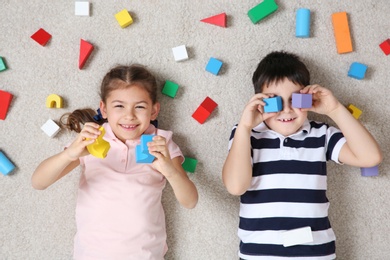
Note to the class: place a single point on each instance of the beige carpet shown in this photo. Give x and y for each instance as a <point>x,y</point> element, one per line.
<point>40,224</point>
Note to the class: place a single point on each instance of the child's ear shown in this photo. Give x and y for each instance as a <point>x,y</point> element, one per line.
<point>103,109</point>
<point>155,111</point>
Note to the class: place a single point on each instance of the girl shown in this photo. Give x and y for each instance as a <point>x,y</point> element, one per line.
<point>119,213</point>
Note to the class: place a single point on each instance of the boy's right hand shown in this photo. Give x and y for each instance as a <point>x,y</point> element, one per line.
<point>87,136</point>
<point>253,113</point>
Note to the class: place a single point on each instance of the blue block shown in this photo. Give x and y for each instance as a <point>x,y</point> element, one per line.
<point>273,104</point>
<point>6,166</point>
<point>302,26</point>
<point>214,65</point>
<point>369,172</point>
<point>142,154</point>
<point>302,100</point>
<point>357,70</point>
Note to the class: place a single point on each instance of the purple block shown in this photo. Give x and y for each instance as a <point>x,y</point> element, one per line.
<point>369,172</point>
<point>302,100</point>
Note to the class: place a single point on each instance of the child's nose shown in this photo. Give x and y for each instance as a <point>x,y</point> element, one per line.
<point>287,106</point>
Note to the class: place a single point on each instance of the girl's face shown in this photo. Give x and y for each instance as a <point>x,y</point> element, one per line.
<point>289,120</point>
<point>129,112</point>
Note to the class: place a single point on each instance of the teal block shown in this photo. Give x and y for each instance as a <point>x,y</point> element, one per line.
<point>273,104</point>
<point>170,89</point>
<point>2,64</point>
<point>189,164</point>
<point>262,10</point>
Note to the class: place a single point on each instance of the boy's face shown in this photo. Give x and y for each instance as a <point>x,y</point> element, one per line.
<point>289,120</point>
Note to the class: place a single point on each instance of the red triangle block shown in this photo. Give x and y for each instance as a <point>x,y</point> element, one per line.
<point>85,50</point>
<point>5,101</point>
<point>219,20</point>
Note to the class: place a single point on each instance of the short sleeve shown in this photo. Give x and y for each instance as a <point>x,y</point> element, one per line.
<point>335,140</point>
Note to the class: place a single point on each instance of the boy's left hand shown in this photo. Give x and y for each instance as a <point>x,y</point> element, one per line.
<point>324,102</point>
<point>163,162</point>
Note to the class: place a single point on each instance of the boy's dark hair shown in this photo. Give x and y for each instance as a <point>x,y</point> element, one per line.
<point>131,75</point>
<point>277,66</point>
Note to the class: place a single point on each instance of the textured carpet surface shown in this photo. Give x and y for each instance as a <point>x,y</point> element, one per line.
<point>40,224</point>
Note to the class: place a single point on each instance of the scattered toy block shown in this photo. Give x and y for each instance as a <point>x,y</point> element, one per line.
<point>262,10</point>
<point>370,171</point>
<point>302,25</point>
<point>357,70</point>
<point>6,166</point>
<point>3,66</point>
<point>273,104</point>
<point>124,18</point>
<point>170,89</point>
<point>50,128</point>
<point>142,154</point>
<point>100,147</point>
<point>81,8</point>
<point>356,112</point>
<point>341,32</point>
<point>54,100</point>
<point>189,164</point>
<point>302,100</point>
<point>385,46</point>
<point>85,51</point>
<point>204,110</point>
<point>180,53</point>
<point>41,37</point>
<point>219,20</point>
<point>297,236</point>
<point>214,66</point>
<point>5,101</point>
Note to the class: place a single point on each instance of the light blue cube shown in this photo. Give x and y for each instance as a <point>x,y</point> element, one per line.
<point>357,70</point>
<point>142,154</point>
<point>214,66</point>
<point>273,104</point>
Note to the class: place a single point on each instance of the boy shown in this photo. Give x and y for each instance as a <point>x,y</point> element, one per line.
<point>277,162</point>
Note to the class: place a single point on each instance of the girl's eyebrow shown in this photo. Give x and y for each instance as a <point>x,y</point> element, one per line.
<point>121,101</point>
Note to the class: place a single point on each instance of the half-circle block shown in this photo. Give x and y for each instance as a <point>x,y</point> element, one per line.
<point>100,147</point>
<point>54,100</point>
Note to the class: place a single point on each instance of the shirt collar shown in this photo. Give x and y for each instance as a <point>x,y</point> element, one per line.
<point>262,127</point>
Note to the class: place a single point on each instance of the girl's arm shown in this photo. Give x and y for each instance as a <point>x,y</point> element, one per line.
<point>361,149</point>
<point>57,166</point>
<point>184,189</point>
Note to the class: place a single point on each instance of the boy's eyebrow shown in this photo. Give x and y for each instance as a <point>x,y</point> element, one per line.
<point>121,101</point>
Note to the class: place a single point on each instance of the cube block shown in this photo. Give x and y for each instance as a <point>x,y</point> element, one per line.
<point>124,18</point>
<point>370,171</point>
<point>170,89</point>
<point>81,8</point>
<point>385,46</point>
<point>189,164</point>
<point>302,100</point>
<point>214,66</point>
<point>41,37</point>
<point>180,53</point>
<point>50,128</point>
<point>357,70</point>
<point>273,104</point>
<point>5,101</point>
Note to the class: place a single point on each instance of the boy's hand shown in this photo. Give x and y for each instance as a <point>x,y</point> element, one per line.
<point>87,136</point>
<point>324,102</point>
<point>254,111</point>
<point>163,163</point>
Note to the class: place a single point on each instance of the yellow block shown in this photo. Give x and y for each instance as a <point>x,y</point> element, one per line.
<point>100,147</point>
<point>54,100</point>
<point>124,19</point>
<point>356,112</point>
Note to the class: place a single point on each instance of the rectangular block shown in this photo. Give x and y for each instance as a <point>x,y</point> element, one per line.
<point>302,24</point>
<point>370,171</point>
<point>297,236</point>
<point>262,10</point>
<point>357,70</point>
<point>341,32</point>
<point>356,112</point>
<point>6,166</point>
<point>385,46</point>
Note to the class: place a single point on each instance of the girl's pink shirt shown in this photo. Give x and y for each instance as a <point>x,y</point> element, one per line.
<point>119,214</point>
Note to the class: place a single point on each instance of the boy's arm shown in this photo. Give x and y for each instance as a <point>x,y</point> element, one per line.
<point>237,169</point>
<point>361,149</point>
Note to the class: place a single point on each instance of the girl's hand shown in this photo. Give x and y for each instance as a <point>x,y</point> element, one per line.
<point>87,136</point>
<point>324,102</point>
<point>254,111</point>
<point>163,162</point>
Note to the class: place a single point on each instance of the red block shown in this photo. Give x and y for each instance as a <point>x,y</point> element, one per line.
<point>219,20</point>
<point>41,37</point>
<point>5,101</point>
<point>204,110</point>
<point>85,50</point>
<point>385,46</point>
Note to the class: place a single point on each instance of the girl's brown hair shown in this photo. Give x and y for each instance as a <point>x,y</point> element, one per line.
<point>133,74</point>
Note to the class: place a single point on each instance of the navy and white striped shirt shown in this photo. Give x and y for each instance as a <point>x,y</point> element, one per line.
<point>288,191</point>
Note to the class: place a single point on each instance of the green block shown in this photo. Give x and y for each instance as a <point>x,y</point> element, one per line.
<point>2,64</point>
<point>170,88</point>
<point>262,10</point>
<point>189,164</point>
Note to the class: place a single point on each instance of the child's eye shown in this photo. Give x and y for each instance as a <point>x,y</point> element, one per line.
<point>120,106</point>
<point>140,107</point>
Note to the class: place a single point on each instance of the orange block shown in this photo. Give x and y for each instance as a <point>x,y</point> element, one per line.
<point>341,32</point>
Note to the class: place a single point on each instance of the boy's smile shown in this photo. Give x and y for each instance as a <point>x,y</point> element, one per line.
<point>289,120</point>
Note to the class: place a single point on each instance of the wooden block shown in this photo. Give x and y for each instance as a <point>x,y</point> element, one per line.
<point>54,100</point>
<point>180,53</point>
<point>214,66</point>
<point>219,20</point>
<point>100,147</point>
<point>85,50</point>
<point>204,110</point>
<point>302,100</point>
<point>357,70</point>
<point>81,8</point>
<point>189,164</point>
<point>341,32</point>
<point>370,171</point>
<point>50,128</point>
<point>170,88</point>
<point>273,104</point>
<point>142,154</point>
<point>385,46</point>
<point>3,66</point>
<point>41,37</point>
<point>5,101</point>
<point>6,166</point>
<point>262,10</point>
<point>302,23</point>
<point>356,112</point>
<point>124,18</point>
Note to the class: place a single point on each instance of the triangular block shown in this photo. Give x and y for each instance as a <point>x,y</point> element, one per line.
<point>85,50</point>
<point>219,20</point>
